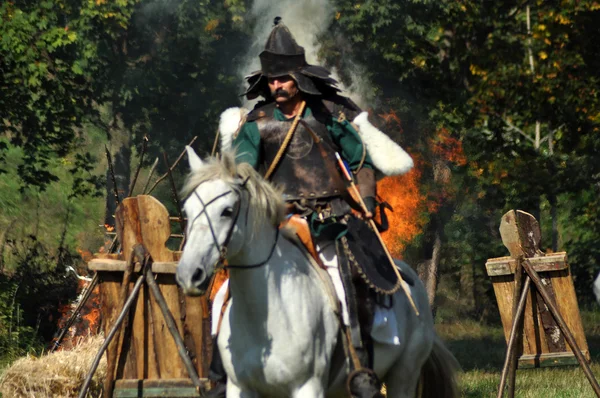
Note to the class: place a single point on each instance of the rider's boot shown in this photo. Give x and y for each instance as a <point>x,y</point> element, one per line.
<point>216,374</point>
<point>362,381</point>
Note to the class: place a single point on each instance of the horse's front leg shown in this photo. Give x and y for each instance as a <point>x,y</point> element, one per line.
<point>234,391</point>
<point>313,388</point>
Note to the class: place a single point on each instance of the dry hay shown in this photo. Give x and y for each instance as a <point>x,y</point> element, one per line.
<point>60,374</point>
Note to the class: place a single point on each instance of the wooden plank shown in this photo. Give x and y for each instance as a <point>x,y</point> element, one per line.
<point>503,289</point>
<point>506,265</point>
<point>569,309</point>
<point>109,293</point>
<point>156,388</point>
<point>548,359</point>
<point>127,225</point>
<point>509,233</point>
<point>155,227</point>
<point>156,230</point>
<point>530,234</point>
<point>109,265</point>
<point>531,338</point>
<point>166,351</point>
<point>550,329</point>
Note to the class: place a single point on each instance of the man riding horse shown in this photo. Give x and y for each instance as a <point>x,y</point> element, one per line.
<point>292,137</point>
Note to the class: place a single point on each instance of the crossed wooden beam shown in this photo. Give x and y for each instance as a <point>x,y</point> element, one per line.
<point>139,256</point>
<point>521,235</point>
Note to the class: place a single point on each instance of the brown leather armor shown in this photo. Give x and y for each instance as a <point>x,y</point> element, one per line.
<point>303,172</point>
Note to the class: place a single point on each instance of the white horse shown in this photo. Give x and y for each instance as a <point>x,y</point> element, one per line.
<point>280,331</point>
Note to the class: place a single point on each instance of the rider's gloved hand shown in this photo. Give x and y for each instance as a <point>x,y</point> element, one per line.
<point>370,204</point>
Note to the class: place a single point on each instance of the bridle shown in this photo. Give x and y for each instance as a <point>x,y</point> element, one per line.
<point>222,248</point>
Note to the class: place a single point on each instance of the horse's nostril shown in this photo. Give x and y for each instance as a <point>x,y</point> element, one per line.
<point>198,277</point>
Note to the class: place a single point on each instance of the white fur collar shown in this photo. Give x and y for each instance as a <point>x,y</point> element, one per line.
<point>387,156</point>
<point>230,123</point>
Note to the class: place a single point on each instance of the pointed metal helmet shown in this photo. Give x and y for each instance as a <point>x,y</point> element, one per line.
<point>282,56</point>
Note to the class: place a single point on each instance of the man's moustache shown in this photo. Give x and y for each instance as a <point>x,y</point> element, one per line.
<point>280,92</point>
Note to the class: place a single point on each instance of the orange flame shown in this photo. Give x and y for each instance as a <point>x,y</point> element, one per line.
<point>88,321</point>
<point>403,194</point>
<point>85,254</point>
<point>448,148</point>
<point>392,118</point>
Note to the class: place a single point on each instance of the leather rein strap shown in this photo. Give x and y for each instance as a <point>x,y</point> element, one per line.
<point>222,248</point>
<point>286,141</point>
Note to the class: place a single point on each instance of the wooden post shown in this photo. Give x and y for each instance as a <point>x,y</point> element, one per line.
<point>113,348</point>
<point>148,360</point>
<point>521,235</point>
<point>563,327</point>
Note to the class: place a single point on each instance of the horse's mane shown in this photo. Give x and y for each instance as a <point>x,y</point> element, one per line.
<point>265,200</point>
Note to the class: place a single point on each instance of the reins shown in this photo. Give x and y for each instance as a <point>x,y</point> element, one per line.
<point>222,248</point>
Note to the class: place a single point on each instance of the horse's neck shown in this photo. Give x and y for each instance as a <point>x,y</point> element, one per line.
<point>255,285</point>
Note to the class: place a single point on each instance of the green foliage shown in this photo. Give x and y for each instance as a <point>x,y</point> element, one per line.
<point>178,71</point>
<point>51,70</point>
<point>16,337</point>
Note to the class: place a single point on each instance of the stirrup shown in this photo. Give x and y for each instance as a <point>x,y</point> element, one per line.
<point>363,383</point>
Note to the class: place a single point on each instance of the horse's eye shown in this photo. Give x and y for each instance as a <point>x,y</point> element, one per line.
<point>227,212</point>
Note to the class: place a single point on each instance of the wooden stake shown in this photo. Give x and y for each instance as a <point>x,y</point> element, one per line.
<point>171,168</point>
<point>75,313</point>
<point>173,329</point>
<point>562,325</point>
<point>114,347</point>
<point>112,176</point>
<point>111,334</point>
<point>176,200</point>
<point>518,319</point>
<point>137,171</point>
<point>150,174</point>
<point>510,361</point>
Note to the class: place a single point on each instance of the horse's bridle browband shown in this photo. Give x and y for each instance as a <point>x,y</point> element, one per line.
<point>223,247</point>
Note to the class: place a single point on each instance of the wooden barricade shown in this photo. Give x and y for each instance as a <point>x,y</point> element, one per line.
<point>147,363</point>
<point>543,343</point>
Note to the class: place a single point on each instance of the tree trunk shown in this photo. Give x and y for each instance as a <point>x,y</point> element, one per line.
<point>467,284</point>
<point>432,274</point>
<point>428,269</point>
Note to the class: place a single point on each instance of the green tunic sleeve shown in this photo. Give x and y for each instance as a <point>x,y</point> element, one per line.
<point>347,138</point>
<point>247,144</point>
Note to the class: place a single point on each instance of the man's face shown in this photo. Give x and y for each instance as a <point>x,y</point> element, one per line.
<point>282,88</point>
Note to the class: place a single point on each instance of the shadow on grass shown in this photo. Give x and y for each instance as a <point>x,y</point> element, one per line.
<point>478,353</point>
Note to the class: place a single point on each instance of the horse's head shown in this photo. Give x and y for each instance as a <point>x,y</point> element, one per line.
<point>224,204</point>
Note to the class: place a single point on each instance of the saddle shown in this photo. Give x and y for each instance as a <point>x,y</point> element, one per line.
<point>302,230</point>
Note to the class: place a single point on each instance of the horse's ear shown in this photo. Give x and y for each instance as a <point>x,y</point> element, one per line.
<point>193,159</point>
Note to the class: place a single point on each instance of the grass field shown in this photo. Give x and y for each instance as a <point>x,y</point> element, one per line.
<point>480,350</point>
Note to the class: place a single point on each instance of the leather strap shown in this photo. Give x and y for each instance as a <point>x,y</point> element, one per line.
<point>286,141</point>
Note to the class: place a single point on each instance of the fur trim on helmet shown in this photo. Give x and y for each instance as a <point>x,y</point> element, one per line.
<point>387,156</point>
<point>230,123</point>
